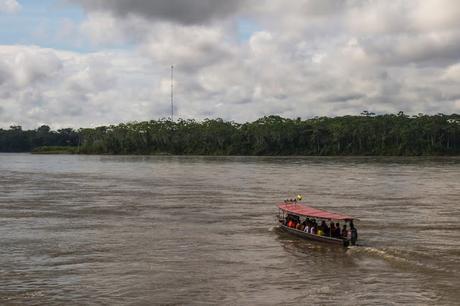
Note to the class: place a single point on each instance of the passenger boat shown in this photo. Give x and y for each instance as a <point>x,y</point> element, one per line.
<point>292,208</point>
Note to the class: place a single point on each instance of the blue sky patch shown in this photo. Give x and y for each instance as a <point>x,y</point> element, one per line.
<point>246,27</point>
<point>46,23</point>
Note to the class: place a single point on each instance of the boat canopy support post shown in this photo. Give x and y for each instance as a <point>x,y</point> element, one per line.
<point>279,214</point>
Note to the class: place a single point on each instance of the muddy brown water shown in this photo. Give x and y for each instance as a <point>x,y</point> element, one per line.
<point>112,230</point>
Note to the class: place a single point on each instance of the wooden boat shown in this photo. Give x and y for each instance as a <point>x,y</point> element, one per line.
<point>302,211</point>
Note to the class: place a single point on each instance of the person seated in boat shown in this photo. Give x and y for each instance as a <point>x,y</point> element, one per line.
<point>307,227</point>
<point>312,224</point>
<point>305,222</point>
<point>332,229</point>
<point>313,228</point>
<point>353,233</point>
<point>320,230</point>
<point>294,221</point>
<point>324,228</point>
<point>327,231</point>
<point>297,221</point>
<point>300,226</point>
<point>289,218</point>
<point>344,231</point>
<point>337,230</point>
<point>303,225</point>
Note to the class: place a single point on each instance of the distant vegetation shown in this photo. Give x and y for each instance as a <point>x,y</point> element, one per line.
<point>18,140</point>
<point>55,150</point>
<point>368,134</point>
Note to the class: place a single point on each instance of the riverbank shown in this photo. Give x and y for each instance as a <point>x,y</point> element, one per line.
<point>55,150</point>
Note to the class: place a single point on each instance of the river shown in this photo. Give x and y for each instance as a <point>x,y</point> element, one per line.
<point>111,230</point>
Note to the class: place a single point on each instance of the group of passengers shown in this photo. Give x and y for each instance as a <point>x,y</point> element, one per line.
<point>311,226</point>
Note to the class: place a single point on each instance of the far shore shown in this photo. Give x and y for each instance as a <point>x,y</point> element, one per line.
<point>74,151</point>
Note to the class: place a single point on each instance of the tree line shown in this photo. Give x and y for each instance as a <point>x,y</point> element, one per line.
<point>367,134</point>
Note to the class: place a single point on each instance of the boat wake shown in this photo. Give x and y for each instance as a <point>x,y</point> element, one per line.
<point>401,258</point>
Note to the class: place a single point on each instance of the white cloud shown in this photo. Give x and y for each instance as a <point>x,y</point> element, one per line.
<point>9,6</point>
<point>429,15</point>
<point>103,29</point>
<point>63,88</point>
<point>189,47</point>
<point>307,58</point>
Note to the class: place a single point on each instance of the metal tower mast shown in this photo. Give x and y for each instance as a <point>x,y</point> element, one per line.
<point>172,93</point>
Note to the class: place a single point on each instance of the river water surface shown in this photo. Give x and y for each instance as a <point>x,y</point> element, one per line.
<point>106,230</point>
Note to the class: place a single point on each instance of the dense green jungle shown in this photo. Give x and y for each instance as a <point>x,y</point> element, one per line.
<point>367,134</point>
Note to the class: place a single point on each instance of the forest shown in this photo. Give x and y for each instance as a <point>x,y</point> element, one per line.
<point>367,134</point>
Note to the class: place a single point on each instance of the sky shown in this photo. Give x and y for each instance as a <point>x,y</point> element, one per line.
<point>85,63</point>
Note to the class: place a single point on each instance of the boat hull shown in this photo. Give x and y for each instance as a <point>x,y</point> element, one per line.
<point>313,237</point>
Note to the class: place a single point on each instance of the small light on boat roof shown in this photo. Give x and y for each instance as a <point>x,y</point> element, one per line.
<point>299,197</point>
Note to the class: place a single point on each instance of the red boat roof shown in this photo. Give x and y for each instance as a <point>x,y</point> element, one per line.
<point>307,211</point>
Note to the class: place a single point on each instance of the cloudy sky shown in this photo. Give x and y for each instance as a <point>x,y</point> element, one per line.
<point>92,62</point>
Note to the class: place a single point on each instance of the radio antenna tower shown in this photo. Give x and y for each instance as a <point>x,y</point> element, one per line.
<point>172,93</point>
